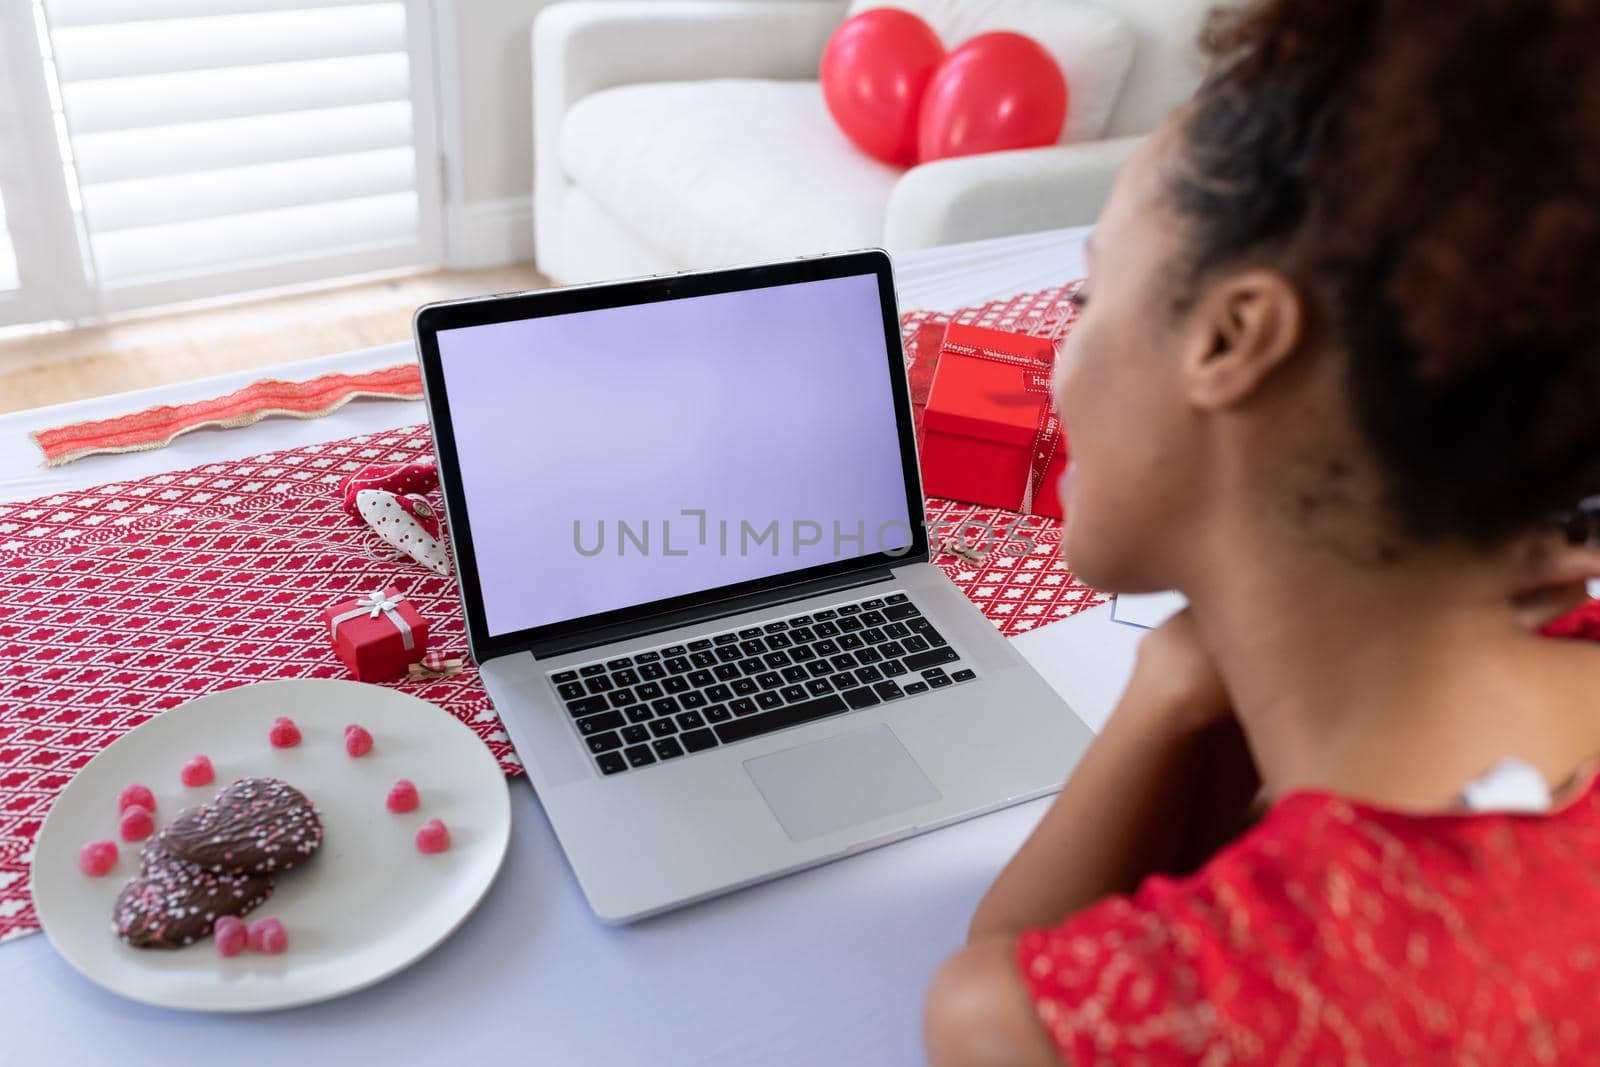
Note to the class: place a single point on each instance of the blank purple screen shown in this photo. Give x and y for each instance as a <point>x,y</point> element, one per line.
<point>584,438</point>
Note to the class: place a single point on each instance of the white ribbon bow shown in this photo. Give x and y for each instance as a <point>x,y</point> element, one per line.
<point>372,605</point>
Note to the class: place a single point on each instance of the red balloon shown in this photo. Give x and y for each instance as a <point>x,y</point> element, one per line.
<point>998,91</point>
<point>874,72</point>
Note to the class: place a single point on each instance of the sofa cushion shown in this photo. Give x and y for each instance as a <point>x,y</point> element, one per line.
<point>722,172</point>
<point>1093,46</point>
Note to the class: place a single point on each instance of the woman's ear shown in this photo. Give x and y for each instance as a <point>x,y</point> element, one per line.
<point>1550,577</point>
<point>1244,327</point>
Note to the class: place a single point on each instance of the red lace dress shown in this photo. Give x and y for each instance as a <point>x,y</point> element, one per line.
<point>1336,933</point>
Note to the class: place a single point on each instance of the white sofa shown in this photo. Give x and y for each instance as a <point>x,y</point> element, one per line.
<point>683,134</point>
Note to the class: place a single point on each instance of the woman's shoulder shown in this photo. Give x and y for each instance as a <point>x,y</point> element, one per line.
<point>1312,919</point>
<point>1159,971</point>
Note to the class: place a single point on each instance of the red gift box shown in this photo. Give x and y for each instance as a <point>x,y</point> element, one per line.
<point>991,434</point>
<point>378,635</point>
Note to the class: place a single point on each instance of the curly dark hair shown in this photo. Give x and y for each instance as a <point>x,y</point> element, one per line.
<point>1428,171</point>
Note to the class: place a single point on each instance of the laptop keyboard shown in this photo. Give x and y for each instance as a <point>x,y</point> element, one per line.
<point>677,700</point>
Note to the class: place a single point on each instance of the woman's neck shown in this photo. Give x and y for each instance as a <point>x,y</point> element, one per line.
<point>1392,676</point>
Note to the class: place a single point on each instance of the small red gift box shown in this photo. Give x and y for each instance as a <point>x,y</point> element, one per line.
<point>991,434</point>
<point>378,635</point>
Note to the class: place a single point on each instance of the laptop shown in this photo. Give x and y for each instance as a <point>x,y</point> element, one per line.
<point>689,534</point>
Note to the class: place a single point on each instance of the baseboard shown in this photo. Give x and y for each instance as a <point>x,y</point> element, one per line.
<point>488,233</point>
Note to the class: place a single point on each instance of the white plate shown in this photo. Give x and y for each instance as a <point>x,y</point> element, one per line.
<point>366,906</point>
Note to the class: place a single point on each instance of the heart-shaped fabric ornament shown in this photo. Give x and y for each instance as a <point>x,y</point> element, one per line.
<point>395,477</point>
<point>408,522</point>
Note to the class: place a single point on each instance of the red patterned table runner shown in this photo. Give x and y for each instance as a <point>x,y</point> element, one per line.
<point>159,426</point>
<point>121,601</point>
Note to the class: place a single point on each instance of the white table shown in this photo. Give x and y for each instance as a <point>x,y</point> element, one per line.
<point>824,967</point>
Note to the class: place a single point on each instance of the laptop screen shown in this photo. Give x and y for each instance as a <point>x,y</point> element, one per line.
<point>616,457</point>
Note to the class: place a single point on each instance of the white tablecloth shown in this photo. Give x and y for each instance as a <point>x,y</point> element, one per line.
<point>825,967</point>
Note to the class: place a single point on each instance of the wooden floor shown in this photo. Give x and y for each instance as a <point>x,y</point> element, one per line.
<point>53,368</point>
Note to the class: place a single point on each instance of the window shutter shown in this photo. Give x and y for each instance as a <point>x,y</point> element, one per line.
<point>225,145</point>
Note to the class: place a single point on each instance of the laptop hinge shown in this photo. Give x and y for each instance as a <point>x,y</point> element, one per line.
<point>605,635</point>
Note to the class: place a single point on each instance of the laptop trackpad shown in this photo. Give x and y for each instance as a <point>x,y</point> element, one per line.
<point>844,781</point>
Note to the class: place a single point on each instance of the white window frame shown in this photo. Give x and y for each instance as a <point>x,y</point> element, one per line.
<point>54,283</point>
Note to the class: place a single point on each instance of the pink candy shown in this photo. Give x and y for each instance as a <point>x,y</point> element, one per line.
<point>267,936</point>
<point>433,836</point>
<point>284,733</point>
<point>97,858</point>
<point>137,823</point>
<point>357,742</point>
<point>231,935</point>
<point>135,794</point>
<point>402,797</point>
<point>197,772</point>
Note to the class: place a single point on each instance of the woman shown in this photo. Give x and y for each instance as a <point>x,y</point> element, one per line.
<point>1337,378</point>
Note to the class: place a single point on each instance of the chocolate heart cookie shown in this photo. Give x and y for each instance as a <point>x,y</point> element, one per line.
<point>171,902</point>
<point>254,826</point>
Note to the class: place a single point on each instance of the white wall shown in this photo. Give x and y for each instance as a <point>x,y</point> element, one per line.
<point>488,117</point>
<point>492,48</point>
